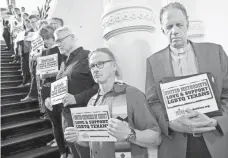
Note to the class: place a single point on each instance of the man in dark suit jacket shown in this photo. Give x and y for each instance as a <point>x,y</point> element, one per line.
<point>185,137</point>
<point>81,86</point>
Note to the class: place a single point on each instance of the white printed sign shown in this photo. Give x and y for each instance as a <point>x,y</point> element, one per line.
<point>20,36</point>
<point>38,43</point>
<point>189,93</point>
<point>92,123</point>
<point>59,89</point>
<point>47,64</point>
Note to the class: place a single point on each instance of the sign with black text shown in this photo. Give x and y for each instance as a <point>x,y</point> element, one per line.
<point>38,43</point>
<point>47,64</point>
<point>92,122</point>
<point>59,89</point>
<point>189,93</point>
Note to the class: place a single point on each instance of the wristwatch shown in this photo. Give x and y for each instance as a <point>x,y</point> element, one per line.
<point>132,136</point>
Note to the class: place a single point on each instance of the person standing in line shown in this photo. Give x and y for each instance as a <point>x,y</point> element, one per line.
<point>139,128</point>
<point>193,135</point>
<point>81,86</point>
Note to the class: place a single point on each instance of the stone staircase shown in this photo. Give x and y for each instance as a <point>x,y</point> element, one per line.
<point>23,133</point>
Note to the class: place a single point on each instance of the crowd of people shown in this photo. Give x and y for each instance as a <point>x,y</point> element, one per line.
<point>93,80</point>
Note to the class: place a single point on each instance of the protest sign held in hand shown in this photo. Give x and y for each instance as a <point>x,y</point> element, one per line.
<point>193,92</point>
<point>36,44</point>
<point>92,122</point>
<point>47,64</point>
<point>59,89</point>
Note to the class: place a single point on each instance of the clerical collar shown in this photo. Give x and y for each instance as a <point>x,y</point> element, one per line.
<point>181,51</point>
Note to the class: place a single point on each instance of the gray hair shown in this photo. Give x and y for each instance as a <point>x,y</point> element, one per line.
<point>64,30</point>
<point>174,5</point>
<point>59,20</point>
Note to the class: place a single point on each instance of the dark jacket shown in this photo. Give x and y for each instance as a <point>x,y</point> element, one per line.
<point>159,65</point>
<point>80,80</point>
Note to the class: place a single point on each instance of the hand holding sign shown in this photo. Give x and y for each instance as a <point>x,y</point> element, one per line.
<point>187,123</point>
<point>71,134</point>
<point>68,100</point>
<point>118,129</point>
<point>48,104</point>
<point>200,117</point>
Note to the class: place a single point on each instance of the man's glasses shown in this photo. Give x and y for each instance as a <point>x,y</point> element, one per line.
<point>61,39</point>
<point>99,65</point>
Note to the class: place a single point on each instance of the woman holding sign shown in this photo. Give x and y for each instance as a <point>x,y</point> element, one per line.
<point>130,122</point>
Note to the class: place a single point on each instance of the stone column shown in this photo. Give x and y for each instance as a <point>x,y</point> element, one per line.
<point>128,28</point>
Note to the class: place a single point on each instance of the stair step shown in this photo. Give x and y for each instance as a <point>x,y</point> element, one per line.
<point>10,73</point>
<point>10,68</point>
<point>44,152</point>
<point>6,57</point>
<point>26,137</point>
<point>25,142</point>
<point>13,90</point>
<point>20,124</point>
<point>18,116</point>
<point>22,128</point>
<point>11,83</point>
<point>6,54</point>
<point>6,60</point>
<point>11,77</point>
<point>19,106</point>
<point>15,97</point>
<point>10,64</point>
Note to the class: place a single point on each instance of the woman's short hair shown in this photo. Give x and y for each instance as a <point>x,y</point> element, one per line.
<point>47,32</point>
<point>109,53</point>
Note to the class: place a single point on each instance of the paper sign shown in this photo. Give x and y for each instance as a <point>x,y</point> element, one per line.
<point>20,36</point>
<point>59,89</point>
<point>47,64</point>
<point>38,43</point>
<point>92,122</point>
<point>194,93</point>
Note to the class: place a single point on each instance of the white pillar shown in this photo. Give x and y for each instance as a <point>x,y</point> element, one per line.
<point>128,28</point>
<point>84,18</point>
